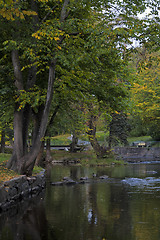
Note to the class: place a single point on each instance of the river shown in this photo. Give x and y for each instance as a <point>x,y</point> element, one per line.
<point>126,206</point>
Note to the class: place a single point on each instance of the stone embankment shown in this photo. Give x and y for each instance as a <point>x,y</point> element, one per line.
<point>134,154</point>
<point>20,188</point>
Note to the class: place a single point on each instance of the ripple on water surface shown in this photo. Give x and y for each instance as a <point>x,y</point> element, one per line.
<point>148,184</point>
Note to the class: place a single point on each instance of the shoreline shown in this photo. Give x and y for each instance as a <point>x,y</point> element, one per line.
<point>20,188</point>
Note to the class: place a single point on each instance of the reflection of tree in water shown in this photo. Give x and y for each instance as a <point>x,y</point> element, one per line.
<point>77,173</point>
<point>108,213</point>
<point>26,221</point>
<point>120,217</point>
<point>87,211</point>
<point>145,215</point>
<point>35,222</point>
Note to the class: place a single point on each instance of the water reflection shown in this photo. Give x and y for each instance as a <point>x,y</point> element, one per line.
<point>26,220</point>
<point>126,206</point>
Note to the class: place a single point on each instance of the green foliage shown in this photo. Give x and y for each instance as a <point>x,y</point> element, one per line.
<point>100,135</point>
<point>146,94</point>
<point>4,157</point>
<point>139,138</point>
<point>119,129</point>
<point>61,140</point>
<point>109,160</point>
<point>154,130</point>
<point>37,170</point>
<point>11,10</point>
<point>86,42</point>
<point>34,97</point>
<point>138,127</point>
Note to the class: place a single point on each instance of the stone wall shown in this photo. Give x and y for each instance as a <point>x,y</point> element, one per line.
<point>19,188</point>
<point>134,154</point>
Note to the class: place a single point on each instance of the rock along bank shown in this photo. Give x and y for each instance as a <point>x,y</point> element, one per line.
<point>19,188</point>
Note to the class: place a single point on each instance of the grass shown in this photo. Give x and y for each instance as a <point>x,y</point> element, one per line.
<point>85,158</point>
<point>141,138</point>
<point>60,155</point>
<point>101,136</point>
<point>37,170</point>
<point>4,157</point>
<point>101,162</point>
<point>61,140</point>
<point>7,174</point>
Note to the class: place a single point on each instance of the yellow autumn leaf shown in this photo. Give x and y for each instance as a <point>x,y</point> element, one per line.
<point>56,38</point>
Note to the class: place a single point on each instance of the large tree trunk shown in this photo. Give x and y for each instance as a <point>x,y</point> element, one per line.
<point>2,141</point>
<point>40,157</point>
<point>18,116</point>
<point>21,160</point>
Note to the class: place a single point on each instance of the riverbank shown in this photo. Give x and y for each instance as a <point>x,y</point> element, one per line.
<point>14,188</point>
<point>85,158</point>
<point>19,188</point>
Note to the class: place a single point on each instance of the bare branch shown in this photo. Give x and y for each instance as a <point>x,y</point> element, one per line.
<point>48,13</point>
<point>64,12</point>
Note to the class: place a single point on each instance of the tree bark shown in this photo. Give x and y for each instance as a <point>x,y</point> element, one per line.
<point>21,117</point>
<point>2,141</point>
<point>21,161</point>
<point>64,12</point>
<point>99,150</point>
<point>74,143</point>
<point>29,159</point>
<point>17,70</point>
<point>40,157</point>
<point>48,157</point>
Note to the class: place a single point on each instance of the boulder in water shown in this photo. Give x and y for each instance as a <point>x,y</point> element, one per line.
<point>103,177</point>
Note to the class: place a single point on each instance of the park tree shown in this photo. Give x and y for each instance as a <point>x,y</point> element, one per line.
<point>65,42</point>
<point>118,129</point>
<point>146,91</point>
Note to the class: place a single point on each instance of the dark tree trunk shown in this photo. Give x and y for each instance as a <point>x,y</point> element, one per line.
<point>40,157</point>
<point>18,117</point>
<point>28,160</point>
<point>22,161</point>
<point>21,119</point>
<point>36,122</point>
<point>3,141</point>
<point>99,150</point>
<point>25,127</point>
<point>74,143</point>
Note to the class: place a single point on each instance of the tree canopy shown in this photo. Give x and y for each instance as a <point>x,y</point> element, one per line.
<point>61,48</point>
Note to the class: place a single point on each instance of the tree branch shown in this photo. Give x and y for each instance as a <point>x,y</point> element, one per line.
<point>17,70</point>
<point>64,13</point>
<point>48,13</point>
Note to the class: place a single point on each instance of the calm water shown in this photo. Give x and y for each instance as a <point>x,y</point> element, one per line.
<point>124,207</point>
